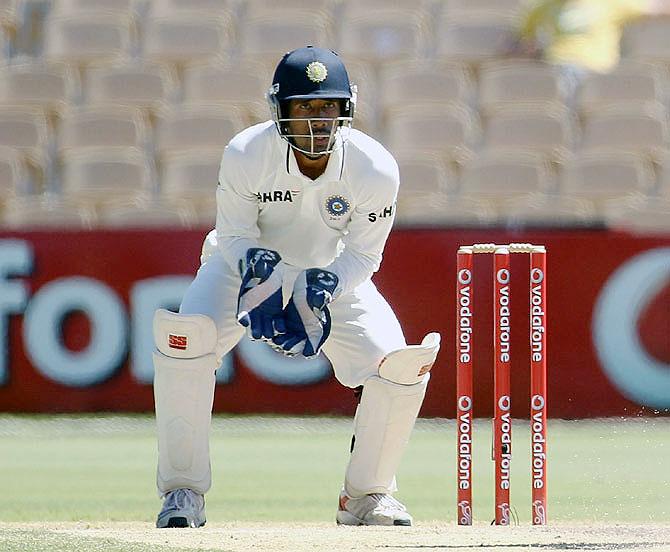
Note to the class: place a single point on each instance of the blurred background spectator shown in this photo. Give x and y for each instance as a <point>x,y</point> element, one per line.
<point>585,33</point>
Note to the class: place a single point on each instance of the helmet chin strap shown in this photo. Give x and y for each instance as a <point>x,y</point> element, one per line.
<point>312,156</point>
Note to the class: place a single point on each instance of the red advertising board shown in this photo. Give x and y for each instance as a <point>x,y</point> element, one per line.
<point>76,307</point>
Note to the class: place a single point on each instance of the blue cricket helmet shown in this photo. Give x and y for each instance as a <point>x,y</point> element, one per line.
<point>309,73</point>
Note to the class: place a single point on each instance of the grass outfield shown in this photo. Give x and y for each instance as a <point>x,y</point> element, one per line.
<point>101,468</point>
<point>86,484</point>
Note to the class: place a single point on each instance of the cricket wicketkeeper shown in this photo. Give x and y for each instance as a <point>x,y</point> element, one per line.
<point>305,205</point>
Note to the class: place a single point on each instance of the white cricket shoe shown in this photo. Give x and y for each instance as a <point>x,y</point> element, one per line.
<point>182,508</point>
<point>372,509</point>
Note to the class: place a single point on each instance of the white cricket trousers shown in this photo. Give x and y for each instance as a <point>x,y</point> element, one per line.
<point>364,330</point>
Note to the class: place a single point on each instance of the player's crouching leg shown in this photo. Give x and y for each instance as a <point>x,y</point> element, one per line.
<point>385,418</point>
<point>184,365</point>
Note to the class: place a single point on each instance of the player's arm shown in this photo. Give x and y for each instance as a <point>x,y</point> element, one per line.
<point>259,305</point>
<point>236,209</point>
<point>367,232</point>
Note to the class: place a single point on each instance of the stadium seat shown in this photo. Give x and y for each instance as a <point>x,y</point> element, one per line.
<point>191,175</point>
<point>647,38</point>
<point>34,83</point>
<point>69,8</point>
<point>424,174</point>
<point>282,8</point>
<point>663,187</point>
<point>630,82</point>
<point>102,126</point>
<point>412,9</point>
<point>162,8</point>
<point>96,175</point>
<point>266,38</point>
<point>383,36</point>
<point>603,176</point>
<point>637,128</point>
<point>639,214</point>
<point>196,127</point>
<point>87,37</point>
<point>442,210</point>
<point>464,8</point>
<point>9,25</point>
<point>420,82</point>
<point>13,177</point>
<point>132,82</point>
<point>26,130</point>
<point>5,46</point>
<point>187,37</point>
<point>363,75</point>
<point>242,84</point>
<point>145,212</point>
<point>501,175</point>
<point>548,210</point>
<point>474,39</point>
<point>7,10</point>
<point>204,212</point>
<point>46,211</point>
<point>505,84</point>
<point>541,129</point>
<point>365,118</point>
<point>449,130</point>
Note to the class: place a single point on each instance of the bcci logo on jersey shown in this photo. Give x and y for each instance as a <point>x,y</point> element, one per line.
<point>337,206</point>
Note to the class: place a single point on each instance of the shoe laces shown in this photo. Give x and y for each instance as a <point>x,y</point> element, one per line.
<point>180,499</point>
<point>387,501</point>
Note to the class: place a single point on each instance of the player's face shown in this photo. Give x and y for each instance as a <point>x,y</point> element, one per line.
<point>321,112</point>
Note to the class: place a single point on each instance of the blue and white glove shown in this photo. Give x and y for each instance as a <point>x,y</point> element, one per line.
<point>307,316</point>
<point>259,304</point>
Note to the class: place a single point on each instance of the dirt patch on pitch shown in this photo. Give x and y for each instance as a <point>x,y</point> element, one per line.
<point>303,537</point>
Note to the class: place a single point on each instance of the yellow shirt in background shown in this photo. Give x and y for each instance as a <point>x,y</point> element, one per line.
<point>582,32</point>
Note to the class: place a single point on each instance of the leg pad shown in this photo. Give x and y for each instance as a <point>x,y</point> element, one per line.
<point>408,365</point>
<point>184,392</point>
<point>384,421</point>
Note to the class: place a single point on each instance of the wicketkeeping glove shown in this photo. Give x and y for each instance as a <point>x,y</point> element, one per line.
<point>307,316</point>
<point>259,304</point>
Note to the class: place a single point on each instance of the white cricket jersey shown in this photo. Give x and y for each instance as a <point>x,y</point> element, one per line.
<point>339,222</point>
